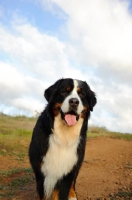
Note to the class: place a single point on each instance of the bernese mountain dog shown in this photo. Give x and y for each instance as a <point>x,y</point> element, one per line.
<point>58,142</point>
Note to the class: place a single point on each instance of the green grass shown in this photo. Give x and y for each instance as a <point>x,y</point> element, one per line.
<point>9,194</point>
<point>15,171</point>
<point>15,134</point>
<point>127,195</point>
<point>17,180</point>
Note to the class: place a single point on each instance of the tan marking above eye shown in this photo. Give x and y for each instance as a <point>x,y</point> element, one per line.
<point>79,89</point>
<point>81,92</point>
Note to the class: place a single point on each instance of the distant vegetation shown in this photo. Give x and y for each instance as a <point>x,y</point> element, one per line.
<point>95,131</point>
<point>15,134</point>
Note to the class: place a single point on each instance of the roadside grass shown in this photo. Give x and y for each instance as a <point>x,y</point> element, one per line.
<point>95,131</point>
<point>15,134</point>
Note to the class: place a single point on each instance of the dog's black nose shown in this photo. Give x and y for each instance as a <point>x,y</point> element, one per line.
<point>74,102</point>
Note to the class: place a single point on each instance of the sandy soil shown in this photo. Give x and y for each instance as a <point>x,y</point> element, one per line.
<point>106,172</point>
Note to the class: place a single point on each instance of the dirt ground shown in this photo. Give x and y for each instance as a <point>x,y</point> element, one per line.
<point>106,172</point>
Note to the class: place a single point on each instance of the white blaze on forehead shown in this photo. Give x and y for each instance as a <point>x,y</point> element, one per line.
<point>65,106</point>
<point>75,87</point>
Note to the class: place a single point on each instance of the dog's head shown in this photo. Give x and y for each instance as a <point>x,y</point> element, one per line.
<point>70,98</point>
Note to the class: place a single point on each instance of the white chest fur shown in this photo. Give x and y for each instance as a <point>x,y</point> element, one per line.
<point>62,153</point>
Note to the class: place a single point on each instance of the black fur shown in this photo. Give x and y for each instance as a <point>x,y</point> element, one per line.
<point>40,139</point>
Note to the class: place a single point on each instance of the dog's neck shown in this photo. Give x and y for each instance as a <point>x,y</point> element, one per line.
<point>67,134</point>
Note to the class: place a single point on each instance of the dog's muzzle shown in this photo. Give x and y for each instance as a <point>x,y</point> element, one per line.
<point>71,117</point>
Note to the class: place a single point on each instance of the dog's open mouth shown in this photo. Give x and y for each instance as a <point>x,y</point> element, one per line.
<point>70,118</point>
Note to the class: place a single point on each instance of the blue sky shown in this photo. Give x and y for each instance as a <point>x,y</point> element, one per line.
<point>34,12</point>
<point>44,40</point>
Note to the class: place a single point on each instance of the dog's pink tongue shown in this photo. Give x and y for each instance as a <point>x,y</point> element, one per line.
<point>70,119</point>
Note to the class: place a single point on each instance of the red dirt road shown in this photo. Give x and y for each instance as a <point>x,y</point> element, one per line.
<point>106,171</point>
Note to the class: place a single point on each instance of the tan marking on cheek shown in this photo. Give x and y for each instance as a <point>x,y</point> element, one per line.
<point>56,109</point>
<point>72,193</point>
<point>54,195</point>
<point>84,112</point>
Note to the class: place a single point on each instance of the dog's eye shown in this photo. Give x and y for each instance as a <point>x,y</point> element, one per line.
<point>68,88</point>
<point>81,93</point>
<point>66,91</point>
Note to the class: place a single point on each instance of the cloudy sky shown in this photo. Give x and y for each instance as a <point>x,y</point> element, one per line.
<point>44,40</point>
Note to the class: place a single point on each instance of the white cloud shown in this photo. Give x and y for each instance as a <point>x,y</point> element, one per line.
<point>96,47</point>
<point>114,106</point>
<point>101,31</point>
<point>34,51</point>
<point>34,60</point>
<point>100,37</point>
<point>18,90</point>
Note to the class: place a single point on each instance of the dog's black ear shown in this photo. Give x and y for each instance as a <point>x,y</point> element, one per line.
<point>91,97</point>
<point>92,100</point>
<point>51,90</point>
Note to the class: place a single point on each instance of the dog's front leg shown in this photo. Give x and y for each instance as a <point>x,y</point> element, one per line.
<point>64,191</point>
<point>72,194</point>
